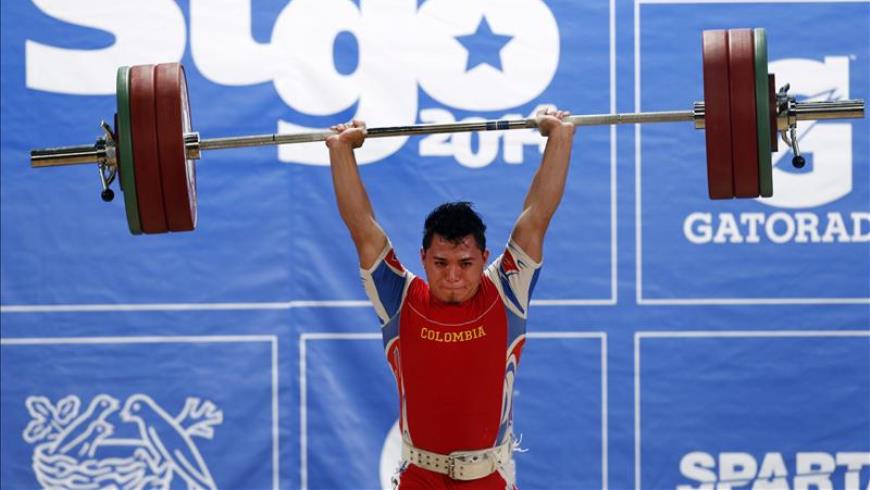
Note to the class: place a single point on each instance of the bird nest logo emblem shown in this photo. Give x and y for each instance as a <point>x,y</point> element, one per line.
<point>75,449</point>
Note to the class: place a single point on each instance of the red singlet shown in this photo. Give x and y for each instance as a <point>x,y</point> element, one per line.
<point>454,364</point>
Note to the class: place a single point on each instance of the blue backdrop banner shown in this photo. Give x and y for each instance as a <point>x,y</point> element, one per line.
<point>674,342</point>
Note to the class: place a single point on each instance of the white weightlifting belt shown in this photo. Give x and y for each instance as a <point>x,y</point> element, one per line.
<point>460,465</point>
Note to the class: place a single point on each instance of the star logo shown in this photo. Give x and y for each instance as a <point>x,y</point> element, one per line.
<point>484,46</point>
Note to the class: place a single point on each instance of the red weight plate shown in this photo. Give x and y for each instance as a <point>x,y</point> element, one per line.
<point>771,86</point>
<point>173,121</point>
<point>143,126</point>
<point>744,126</point>
<point>717,114</point>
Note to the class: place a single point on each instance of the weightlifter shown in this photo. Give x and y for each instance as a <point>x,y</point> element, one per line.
<point>454,340</point>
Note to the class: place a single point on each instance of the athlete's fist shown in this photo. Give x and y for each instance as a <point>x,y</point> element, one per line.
<point>352,134</point>
<point>551,119</point>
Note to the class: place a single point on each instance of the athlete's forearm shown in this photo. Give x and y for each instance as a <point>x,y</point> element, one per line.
<point>350,193</point>
<point>354,204</point>
<point>545,193</point>
<point>548,185</point>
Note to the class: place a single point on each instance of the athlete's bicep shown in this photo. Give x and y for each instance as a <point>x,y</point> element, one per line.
<point>369,240</point>
<point>515,273</point>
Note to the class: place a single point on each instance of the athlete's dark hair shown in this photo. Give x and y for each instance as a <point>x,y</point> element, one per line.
<point>454,221</point>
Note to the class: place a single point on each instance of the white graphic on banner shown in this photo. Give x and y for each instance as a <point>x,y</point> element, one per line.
<point>446,50</point>
<point>384,84</point>
<point>459,145</point>
<point>391,456</point>
<point>779,227</point>
<point>223,47</point>
<point>142,32</point>
<point>74,450</point>
<point>528,60</point>
<point>829,143</point>
<point>806,470</point>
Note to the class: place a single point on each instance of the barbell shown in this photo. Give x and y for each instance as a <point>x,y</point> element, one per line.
<point>152,147</point>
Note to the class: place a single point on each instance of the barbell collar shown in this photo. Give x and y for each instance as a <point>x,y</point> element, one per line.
<point>192,145</point>
<point>793,112</point>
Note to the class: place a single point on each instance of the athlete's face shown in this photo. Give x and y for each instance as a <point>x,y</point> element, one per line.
<point>453,269</point>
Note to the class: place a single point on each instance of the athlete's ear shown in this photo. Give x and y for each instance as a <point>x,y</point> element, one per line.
<point>423,255</point>
<point>485,256</point>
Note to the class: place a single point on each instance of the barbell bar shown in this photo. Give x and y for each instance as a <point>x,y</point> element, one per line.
<point>75,155</point>
<point>195,145</point>
<point>741,115</point>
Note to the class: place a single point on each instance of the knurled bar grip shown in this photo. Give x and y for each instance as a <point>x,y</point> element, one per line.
<point>418,129</point>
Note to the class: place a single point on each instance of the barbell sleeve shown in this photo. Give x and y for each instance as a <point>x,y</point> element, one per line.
<point>66,155</point>
<point>843,109</point>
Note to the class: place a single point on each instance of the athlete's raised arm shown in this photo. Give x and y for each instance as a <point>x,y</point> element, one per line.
<point>353,201</point>
<point>548,185</point>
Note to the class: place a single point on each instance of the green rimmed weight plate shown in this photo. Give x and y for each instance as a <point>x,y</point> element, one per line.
<point>762,114</point>
<point>125,151</point>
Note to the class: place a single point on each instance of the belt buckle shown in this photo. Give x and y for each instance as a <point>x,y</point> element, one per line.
<point>451,467</point>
